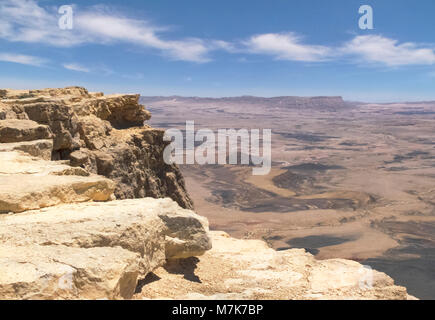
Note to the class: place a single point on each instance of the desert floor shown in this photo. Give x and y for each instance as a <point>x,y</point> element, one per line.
<point>354,182</point>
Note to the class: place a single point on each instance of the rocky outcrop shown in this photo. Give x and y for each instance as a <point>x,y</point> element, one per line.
<point>78,244</point>
<point>100,249</point>
<point>37,148</point>
<point>22,130</point>
<point>105,135</point>
<point>141,226</point>
<point>186,235</point>
<point>28,183</point>
<point>60,272</point>
<point>249,269</point>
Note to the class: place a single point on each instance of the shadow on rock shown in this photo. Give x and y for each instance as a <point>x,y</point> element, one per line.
<point>186,267</point>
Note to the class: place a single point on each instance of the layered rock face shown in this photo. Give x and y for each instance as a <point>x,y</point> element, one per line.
<point>64,235</point>
<point>102,134</point>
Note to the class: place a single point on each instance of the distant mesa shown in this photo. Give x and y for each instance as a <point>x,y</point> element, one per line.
<point>323,102</point>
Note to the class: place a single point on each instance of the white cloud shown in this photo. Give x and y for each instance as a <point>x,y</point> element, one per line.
<point>75,67</point>
<point>22,59</point>
<point>370,49</point>
<point>104,28</point>
<point>26,21</point>
<point>381,50</point>
<point>286,46</point>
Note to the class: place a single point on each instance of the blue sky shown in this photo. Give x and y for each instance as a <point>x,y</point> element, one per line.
<point>223,48</point>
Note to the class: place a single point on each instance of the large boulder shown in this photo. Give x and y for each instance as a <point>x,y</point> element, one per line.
<point>15,130</point>
<point>19,193</point>
<point>93,250</point>
<point>147,226</point>
<point>186,235</point>
<point>122,111</point>
<point>36,148</point>
<point>60,272</point>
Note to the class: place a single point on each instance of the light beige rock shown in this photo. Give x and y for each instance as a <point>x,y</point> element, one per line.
<point>106,135</point>
<point>18,162</point>
<point>138,225</point>
<point>249,269</point>
<point>60,272</point>
<point>37,148</point>
<point>21,192</point>
<point>79,158</point>
<point>133,225</point>
<point>28,183</point>
<point>13,130</point>
<point>12,112</point>
<point>90,250</point>
<point>186,235</point>
<point>93,131</point>
<point>122,110</point>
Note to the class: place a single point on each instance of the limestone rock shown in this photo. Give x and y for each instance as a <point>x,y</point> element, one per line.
<point>186,235</point>
<point>60,118</point>
<point>249,269</point>
<point>132,224</point>
<point>21,192</point>
<point>18,162</point>
<point>137,225</point>
<point>37,148</point>
<point>60,272</point>
<point>93,131</point>
<point>78,158</point>
<point>22,130</point>
<point>12,112</point>
<point>99,249</point>
<point>104,135</point>
<point>120,110</point>
<point>134,160</point>
<point>28,183</point>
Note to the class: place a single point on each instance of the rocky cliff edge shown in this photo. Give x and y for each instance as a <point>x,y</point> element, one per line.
<point>85,213</point>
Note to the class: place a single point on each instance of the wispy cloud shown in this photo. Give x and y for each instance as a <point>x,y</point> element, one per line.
<point>26,21</point>
<point>286,46</point>
<point>75,67</point>
<point>381,50</point>
<point>104,28</point>
<point>30,22</point>
<point>369,49</point>
<point>22,59</point>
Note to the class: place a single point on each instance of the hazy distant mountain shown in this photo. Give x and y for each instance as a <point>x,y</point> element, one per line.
<point>332,102</point>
